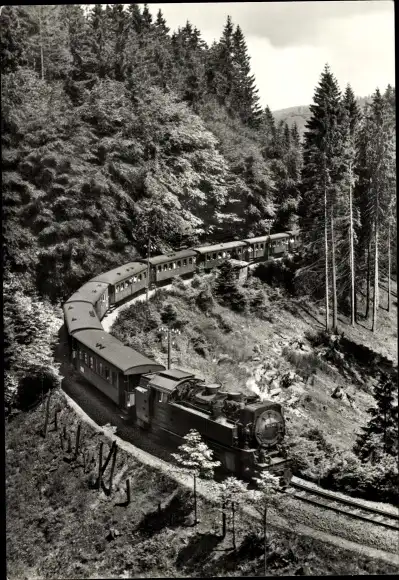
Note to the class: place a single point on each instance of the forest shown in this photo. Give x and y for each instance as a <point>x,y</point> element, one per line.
<point>117,131</point>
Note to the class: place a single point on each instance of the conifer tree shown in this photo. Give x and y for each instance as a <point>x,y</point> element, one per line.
<point>383,425</point>
<point>350,129</point>
<point>321,180</point>
<point>245,99</point>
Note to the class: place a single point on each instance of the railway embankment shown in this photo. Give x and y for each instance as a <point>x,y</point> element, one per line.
<point>72,529</point>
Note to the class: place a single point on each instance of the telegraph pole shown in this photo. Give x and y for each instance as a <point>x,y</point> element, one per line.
<point>148,270</point>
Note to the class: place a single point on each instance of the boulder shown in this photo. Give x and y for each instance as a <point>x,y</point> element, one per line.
<point>338,393</point>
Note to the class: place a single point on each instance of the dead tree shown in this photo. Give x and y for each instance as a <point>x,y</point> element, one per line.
<point>77,441</point>
<point>100,460</point>
<point>47,415</point>
<point>112,468</point>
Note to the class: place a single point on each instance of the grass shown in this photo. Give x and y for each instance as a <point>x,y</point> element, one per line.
<point>58,525</point>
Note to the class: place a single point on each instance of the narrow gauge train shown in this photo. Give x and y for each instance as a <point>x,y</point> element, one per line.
<point>245,433</point>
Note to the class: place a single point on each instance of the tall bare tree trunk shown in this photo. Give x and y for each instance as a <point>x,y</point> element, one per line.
<point>375,300</point>
<point>389,266</point>
<point>41,43</point>
<point>326,256</point>
<point>368,279</point>
<point>351,249</point>
<point>264,541</point>
<point>334,273</point>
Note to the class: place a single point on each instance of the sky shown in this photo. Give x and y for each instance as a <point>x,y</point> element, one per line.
<point>290,42</point>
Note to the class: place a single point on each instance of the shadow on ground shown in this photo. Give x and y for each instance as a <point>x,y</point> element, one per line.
<point>172,514</point>
<point>197,551</point>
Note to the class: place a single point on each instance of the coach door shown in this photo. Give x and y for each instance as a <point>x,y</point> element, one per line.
<point>142,401</point>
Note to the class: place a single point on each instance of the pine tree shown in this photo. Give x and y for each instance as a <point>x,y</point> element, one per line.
<point>244,99</point>
<point>383,425</point>
<point>350,129</point>
<point>321,182</point>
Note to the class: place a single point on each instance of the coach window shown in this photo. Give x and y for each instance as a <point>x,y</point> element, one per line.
<point>100,368</point>
<point>106,373</point>
<point>238,250</point>
<point>81,354</point>
<point>127,284</point>
<point>214,256</point>
<point>174,265</point>
<point>179,264</point>
<point>184,263</point>
<point>91,362</point>
<point>190,260</point>
<point>85,355</point>
<point>170,266</point>
<point>145,275</point>
<point>159,268</point>
<point>140,277</point>
<point>114,378</point>
<point>194,260</point>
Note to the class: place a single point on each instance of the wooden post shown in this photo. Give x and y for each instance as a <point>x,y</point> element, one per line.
<point>109,457</point>
<point>100,460</point>
<point>264,542</point>
<point>233,526</point>
<point>77,441</point>
<point>47,415</point>
<point>224,519</point>
<point>112,468</point>
<point>128,491</point>
<point>169,349</point>
<point>195,500</point>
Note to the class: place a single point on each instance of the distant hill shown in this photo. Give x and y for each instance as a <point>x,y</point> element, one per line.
<point>301,114</point>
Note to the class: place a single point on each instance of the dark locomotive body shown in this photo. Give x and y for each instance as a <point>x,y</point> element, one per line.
<point>245,433</point>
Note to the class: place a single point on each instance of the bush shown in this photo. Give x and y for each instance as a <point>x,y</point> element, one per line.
<point>204,300</point>
<point>279,273</point>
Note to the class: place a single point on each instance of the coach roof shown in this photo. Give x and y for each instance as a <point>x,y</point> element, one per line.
<point>217,247</point>
<point>117,274</point>
<point>109,348</point>
<point>171,257</point>
<point>79,316</point>
<point>89,292</point>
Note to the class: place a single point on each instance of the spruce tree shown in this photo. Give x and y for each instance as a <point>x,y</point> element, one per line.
<point>321,181</point>
<point>245,99</point>
<point>383,425</point>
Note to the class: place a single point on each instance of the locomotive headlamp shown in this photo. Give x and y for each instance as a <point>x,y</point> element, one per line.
<point>268,428</point>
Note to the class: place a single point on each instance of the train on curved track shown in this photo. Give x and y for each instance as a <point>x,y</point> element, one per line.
<point>245,433</point>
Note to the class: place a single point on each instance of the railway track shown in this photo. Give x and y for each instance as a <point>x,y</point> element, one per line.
<point>304,491</point>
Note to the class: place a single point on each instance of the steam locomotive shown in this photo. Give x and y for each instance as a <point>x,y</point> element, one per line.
<point>245,433</point>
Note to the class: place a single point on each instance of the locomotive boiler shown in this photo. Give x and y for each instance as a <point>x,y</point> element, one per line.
<point>245,433</point>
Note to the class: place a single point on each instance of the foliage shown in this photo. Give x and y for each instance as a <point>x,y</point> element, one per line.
<point>195,457</point>
<point>226,288</point>
<point>380,436</point>
<point>31,335</point>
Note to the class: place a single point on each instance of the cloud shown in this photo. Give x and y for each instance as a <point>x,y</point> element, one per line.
<point>283,23</point>
<point>289,43</point>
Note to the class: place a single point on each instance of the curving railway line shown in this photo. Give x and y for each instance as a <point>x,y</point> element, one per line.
<point>356,509</point>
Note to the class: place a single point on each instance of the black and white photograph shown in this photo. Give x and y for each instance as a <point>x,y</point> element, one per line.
<point>200,316</point>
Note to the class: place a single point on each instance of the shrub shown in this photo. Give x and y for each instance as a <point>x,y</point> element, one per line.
<point>204,300</point>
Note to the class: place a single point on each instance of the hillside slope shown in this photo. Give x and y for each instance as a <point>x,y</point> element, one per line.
<point>301,114</point>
